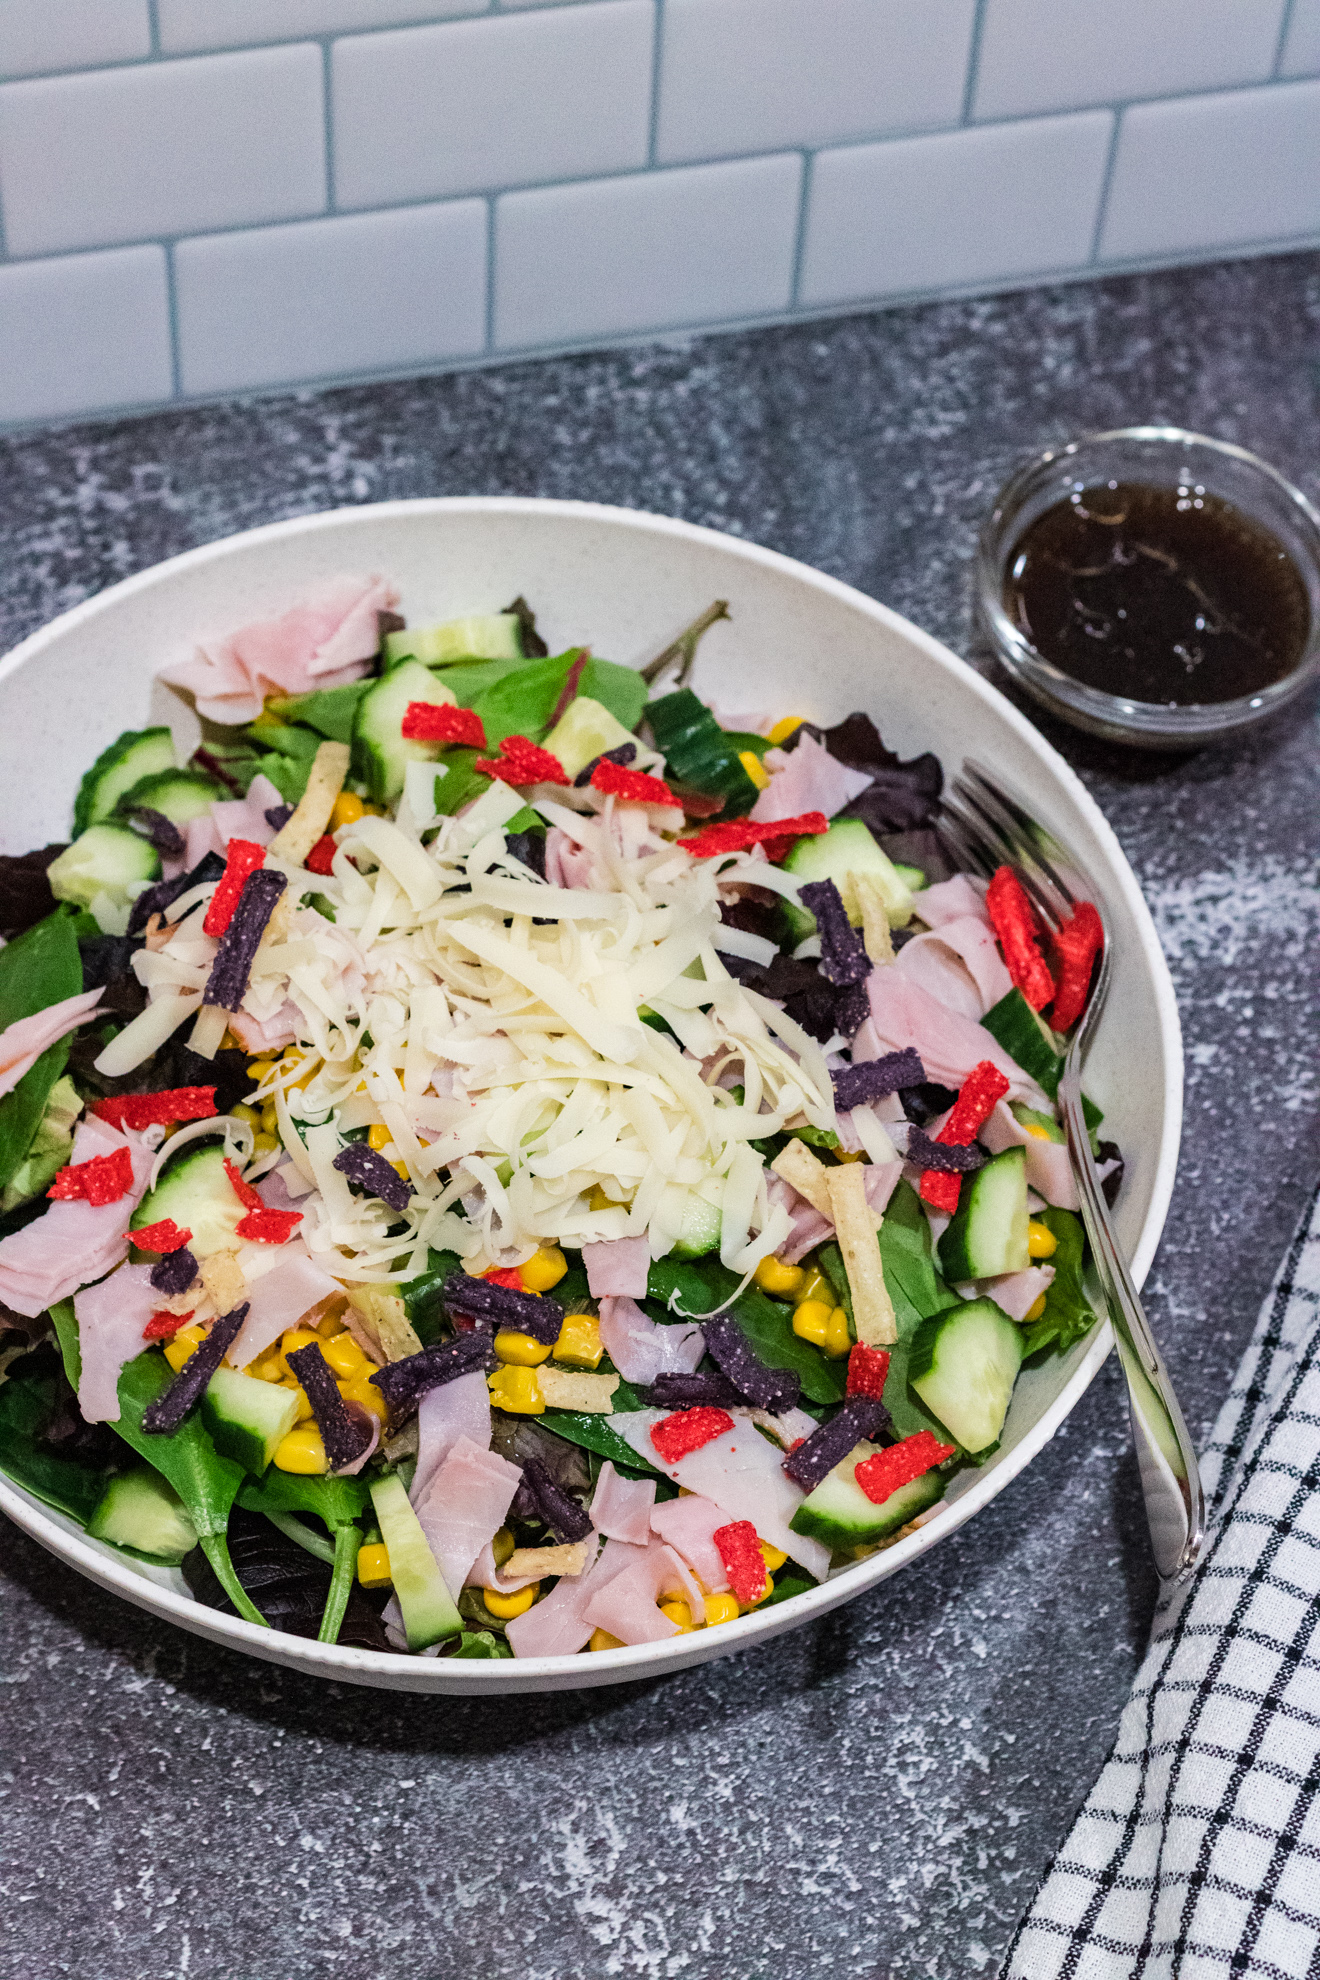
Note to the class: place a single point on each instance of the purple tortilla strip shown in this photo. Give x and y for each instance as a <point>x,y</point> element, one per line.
<point>163,833</point>
<point>622,755</point>
<point>343,1435</point>
<point>185,1391</point>
<point>404,1383</point>
<point>851,1010</point>
<point>950,1160</point>
<point>842,957</point>
<point>774,1389</point>
<point>227,984</point>
<point>556,1509</point>
<point>165,892</point>
<point>278,816</point>
<point>173,1273</point>
<point>873,1079</point>
<point>520,1312</point>
<point>371,1172</point>
<point>706,1389</point>
<point>859,1418</point>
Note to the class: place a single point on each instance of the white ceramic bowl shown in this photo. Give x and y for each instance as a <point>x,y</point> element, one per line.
<point>625,583</point>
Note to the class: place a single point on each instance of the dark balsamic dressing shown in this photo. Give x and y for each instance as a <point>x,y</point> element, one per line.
<point>1166,595</point>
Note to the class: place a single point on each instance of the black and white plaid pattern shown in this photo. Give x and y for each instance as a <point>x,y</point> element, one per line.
<point>1198,1851</point>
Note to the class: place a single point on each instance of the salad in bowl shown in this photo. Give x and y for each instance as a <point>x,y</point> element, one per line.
<point>503,1159</point>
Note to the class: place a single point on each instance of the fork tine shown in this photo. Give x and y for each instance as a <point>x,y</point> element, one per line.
<point>994,847</point>
<point>1015,853</point>
<point>968,853</point>
<point>1027,835</point>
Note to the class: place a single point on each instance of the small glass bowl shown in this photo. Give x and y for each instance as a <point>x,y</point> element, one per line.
<point>1161,457</point>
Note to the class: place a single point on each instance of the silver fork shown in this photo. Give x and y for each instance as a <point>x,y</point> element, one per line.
<point>987,828</point>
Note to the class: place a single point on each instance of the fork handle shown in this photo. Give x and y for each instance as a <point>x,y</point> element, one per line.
<point>1170,1477</point>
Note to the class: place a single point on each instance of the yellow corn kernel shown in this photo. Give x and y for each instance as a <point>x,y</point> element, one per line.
<point>814,1286</point>
<point>678,1613</point>
<point>545,1268</point>
<point>243,1112</point>
<point>520,1350</point>
<point>838,1335</point>
<point>516,1390</point>
<point>305,1411</point>
<point>345,1356</point>
<point>292,1339</point>
<point>363,1390</point>
<point>579,1342</point>
<point>270,1120</point>
<point>506,1607</point>
<point>303,1451</point>
<point>373,1566</point>
<point>811,1320</point>
<point>774,1557</point>
<point>773,1276</point>
<point>180,1346</point>
<point>346,810</point>
<point>267,1367</point>
<point>378,1136</point>
<point>1041,1241</point>
<point>260,1064</point>
<point>1036,1309</point>
<point>1035,1130</point>
<point>602,1640</point>
<point>755,769</point>
<point>265,1144</point>
<point>849,1155</point>
<point>401,1170</point>
<point>600,1199</point>
<point>302,1065</point>
<point>721,1609</point>
<point>784,728</point>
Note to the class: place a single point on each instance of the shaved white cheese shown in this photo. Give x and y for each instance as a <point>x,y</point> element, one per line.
<point>402,856</point>
<point>145,1034</point>
<point>873,1136</point>
<point>737,942</point>
<point>205,1036</point>
<point>493,808</point>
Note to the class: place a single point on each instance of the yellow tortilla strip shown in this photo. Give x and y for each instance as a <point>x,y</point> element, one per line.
<point>563,1390</point>
<point>801,1170</point>
<point>387,1320</point>
<point>223,1280</point>
<point>854,1226</point>
<point>570,1559</point>
<point>875,922</point>
<point>311,815</point>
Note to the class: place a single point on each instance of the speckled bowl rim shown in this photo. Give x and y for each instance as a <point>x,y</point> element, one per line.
<point>445,1676</point>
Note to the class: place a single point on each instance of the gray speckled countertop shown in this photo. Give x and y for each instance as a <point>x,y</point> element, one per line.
<point>878,1794</point>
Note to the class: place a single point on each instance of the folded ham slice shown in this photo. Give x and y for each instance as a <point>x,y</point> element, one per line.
<point>621,1507</point>
<point>464,1507</point>
<point>1049,1166</point>
<point>806,778</point>
<point>23,1042</point>
<point>73,1243</point>
<point>641,1348</point>
<point>903,1014</point>
<point>951,900</point>
<point>279,1299</point>
<point>460,1408</point>
<point>687,1525</point>
<point>558,1626</point>
<point>960,964</point>
<point>807,1227</point>
<point>618,1268</point>
<point>110,1319</point>
<point>1015,1293</point>
<point>627,1604</point>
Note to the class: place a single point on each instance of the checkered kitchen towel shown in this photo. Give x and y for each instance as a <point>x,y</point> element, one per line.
<point>1198,1851</point>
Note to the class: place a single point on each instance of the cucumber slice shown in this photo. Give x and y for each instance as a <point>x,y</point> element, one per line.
<point>380,755</point>
<point>103,860</point>
<point>194,1190</point>
<point>699,1231</point>
<point>699,752</point>
<point>136,754</point>
<point>1027,1039</point>
<point>248,1419</point>
<point>913,877</point>
<point>139,1510</point>
<point>1031,1117</point>
<point>481,636</point>
<point>848,847</point>
<point>988,1236</point>
<point>963,1364</point>
<point>428,1607</point>
<point>585,730</point>
<point>839,1512</point>
<point>178,795</point>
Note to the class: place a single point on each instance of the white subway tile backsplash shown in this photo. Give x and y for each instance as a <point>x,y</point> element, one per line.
<point>1064,54</point>
<point>189,25</point>
<point>71,34</point>
<point>971,206</point>
<point>560,93</point>
<point>755,75</point>
<point>1301,50</point>
<point>84,333</point>
<point>1210,172</point>
<point>361,292</point>
<point>699,245</point>
<point>163,148</point>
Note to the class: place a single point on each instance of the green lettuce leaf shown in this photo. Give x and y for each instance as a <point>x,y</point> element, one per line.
<point>688,1288</point>
<point>1068,1313</point>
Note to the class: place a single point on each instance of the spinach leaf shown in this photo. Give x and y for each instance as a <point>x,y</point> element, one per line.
<point>27,1403</point>
<point>592,1431</point>
<point>1068,1313</point>
<point>481,1643</point>
<point>907,1255</point>
<point>460,780</point>
<point>38,968</point>
<point>330,711</point>
<point>688,1288</point>
<point>790,1581</point>
<point>523,701</point>
<point>21,1110</point>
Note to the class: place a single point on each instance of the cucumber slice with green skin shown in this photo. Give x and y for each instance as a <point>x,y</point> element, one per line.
<point>913,877</point>
<point>699,1232</point>
<point>839,1512</point>
<point>105,859</point>
<point>179,795</point>
<point>963,1364</point>
<point>428,1607</point>
<point>1027,1039</point>
<point>988,1235</point>
<point>585,730</point>
<point>1031,1117</point>
<point>481,636</point>
<point>138,753</point>
<point>248,1419</point>
<point>848,847</point>
<point>140,1511</point>
<point>380,754</point>
<point>194,1190</point>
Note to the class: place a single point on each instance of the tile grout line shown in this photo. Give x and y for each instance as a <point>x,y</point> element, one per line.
<point>490,275</point>
<point>328,123</point>
<point>800,244</point>
<point>153,26</point>
<point>1285,27</point>
<point>657,53</point>
<point>973,60</point>
<point>172,314</point>
<point>1102,208</point>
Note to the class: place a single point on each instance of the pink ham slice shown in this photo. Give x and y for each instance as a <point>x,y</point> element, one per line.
<point>641,1348</point>
<point>23,1042</point>
<point>558,1627</point>
<point>110,1319</point>
<point>806,778</point>
<point>952,900</point>
<point>324,642</point>
<point>621,1507</point>
<point>245,818</point>
<point>618,1268</point>
<point>743,1473</point>
<point>626,1605</point>
<point>464,1507</point>
<point>279,1299</point>
<point>687,1525</point>
<point>73,1243</point>
<point>1015,1293</point>
<point>200,837</point>
<point>960,964</point>
<point>1049,1167</point>
<point>807,1227</point>
<point>950,1045</point>
<point>568,864</point>
<point>273,1035</point>
<point>456,1409</point>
